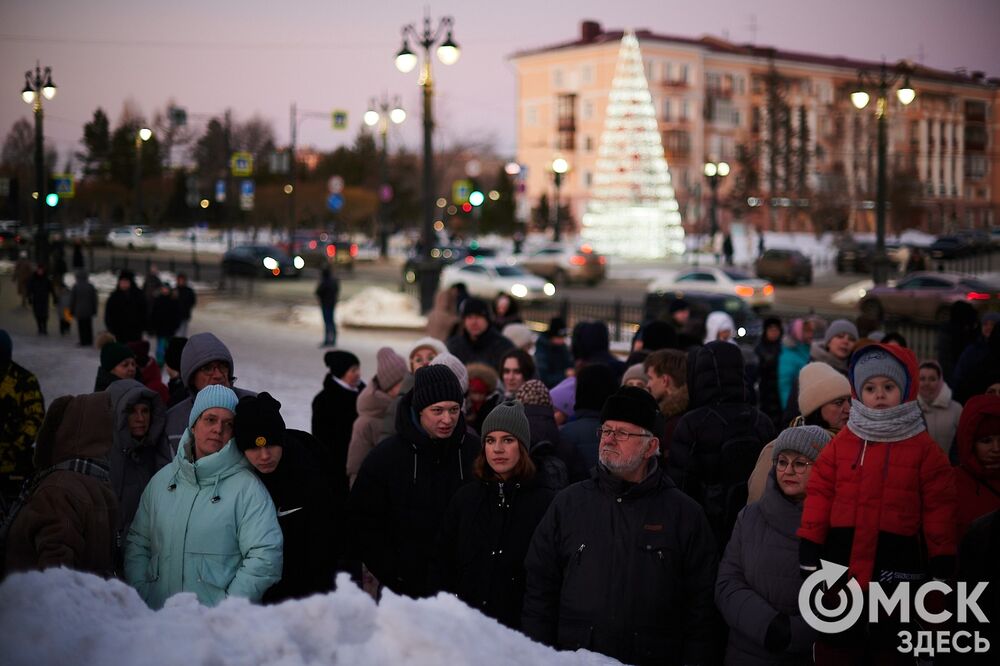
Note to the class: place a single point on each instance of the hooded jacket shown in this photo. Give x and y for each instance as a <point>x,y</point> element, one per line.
<point>133,463</point>
<point>69,520</point>
<point>200,349</point>
<point>623,569</point>
<point>482,543</point>
<point>718,413</point>
<point>488,348</point>
<point>942,415</point>
<point>206,526</point>
<point>759,582</point>
<point>978,488</point>
<point>125,313</point>
<point>794,356</point>
<point>83,297</point>
<point>881,508</point>
<point>400,496</point>
<point>372,405</point>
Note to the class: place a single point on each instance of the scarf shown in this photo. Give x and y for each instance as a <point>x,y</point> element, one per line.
<point>886,425</point>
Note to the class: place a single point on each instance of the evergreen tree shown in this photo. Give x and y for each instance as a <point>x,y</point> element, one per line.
<point>96,155</point>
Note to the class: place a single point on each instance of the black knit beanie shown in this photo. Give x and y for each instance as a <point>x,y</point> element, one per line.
<point>632,405</point>
<point>114,353</point>
<point>340,362</point>
<point>476,306</point>
<point>594,383</point>
<point>658,335</point>
<point>258,422</point>
<point>435,383</point>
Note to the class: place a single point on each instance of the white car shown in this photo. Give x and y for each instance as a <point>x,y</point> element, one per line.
<point>489,278</point>
<point>756,292</point>
<point>134,237</point>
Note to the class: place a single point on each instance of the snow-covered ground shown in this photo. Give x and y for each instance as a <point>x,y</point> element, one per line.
<point>65,617</point>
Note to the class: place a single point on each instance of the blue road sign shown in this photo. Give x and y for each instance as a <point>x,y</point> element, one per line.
<point>247,188</point>
<point>335,202</point>
<point>220,190</point>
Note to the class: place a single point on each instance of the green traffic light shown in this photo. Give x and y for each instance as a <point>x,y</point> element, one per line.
<point>51,199</point>
<point>476,198</point>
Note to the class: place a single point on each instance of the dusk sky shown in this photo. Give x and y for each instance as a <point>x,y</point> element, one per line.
<point>258,57</point>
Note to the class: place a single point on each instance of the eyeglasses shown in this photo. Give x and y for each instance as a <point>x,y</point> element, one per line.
<point>620,436</point>
<point>798,466</point>
<point>214,366</point>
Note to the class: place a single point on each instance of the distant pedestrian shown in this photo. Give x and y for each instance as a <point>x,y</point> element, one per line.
<point>727,248</point>
<point>516,367</point>
<point>164,319</point>
<point>768,352</point>
<point>125,310</point>
<point>83,304</point>
<point>327,292</point>
<point>334,410</point>
<point>77,256</point>
<point>42,296</point>
<point>23,270</point>
<point>505,311</point>
<point>477,340</point>
<point>22,409</point>
<point>941,413</point>
<point>64,312</point>
<point>187,300</point>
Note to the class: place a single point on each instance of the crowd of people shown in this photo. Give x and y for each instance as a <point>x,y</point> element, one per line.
<point>662,508</point>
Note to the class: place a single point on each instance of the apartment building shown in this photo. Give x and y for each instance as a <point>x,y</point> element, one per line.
<point>802,156</point>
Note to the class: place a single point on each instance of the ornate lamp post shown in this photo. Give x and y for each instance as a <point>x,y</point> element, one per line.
<point>36,87</point>
<point>714,173</point>
<point>406,60</point>
<point>142,136</point>
<point>559,168</point>
<point>381,113</point>
<point>860,98</point>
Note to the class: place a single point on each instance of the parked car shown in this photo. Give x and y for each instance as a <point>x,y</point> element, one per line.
<point>563,265</point>
<point>132,237</point>
<point>11,242</point>
<point>978,240</point>
<point>787,266</point>
<point>367,251</point>
<point>261,261</point>
<point>949,247</point>
<point>320,248</point>
<point>488,278</point>
<point>445,256</point>
<point>859,257</point>
<point>727,281</point>
<point>748,324</point>
<point>928,296</point>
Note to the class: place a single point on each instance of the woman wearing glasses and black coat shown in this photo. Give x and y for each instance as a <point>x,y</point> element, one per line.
<point>758,584</point>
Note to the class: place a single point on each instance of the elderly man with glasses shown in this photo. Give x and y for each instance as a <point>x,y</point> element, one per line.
<point>624,563</point>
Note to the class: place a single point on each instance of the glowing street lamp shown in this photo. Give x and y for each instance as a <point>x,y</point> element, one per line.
<point>33,85</point>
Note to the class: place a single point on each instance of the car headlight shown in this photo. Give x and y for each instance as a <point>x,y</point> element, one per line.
<point>549,289</point>
<point>299,263</point>
<point>270,263</point>
<point>519,290</point>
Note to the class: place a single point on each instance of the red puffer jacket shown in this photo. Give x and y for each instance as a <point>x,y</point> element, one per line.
<point>978,488</point>
<point>882,506</point>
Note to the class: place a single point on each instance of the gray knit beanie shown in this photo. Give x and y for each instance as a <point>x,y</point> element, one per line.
<point>805,440</point>
<point>838,327</point>
<point>874,361</point>
<point>508,416</point>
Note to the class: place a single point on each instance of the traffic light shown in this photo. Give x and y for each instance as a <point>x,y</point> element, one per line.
<point>466,207</point>
<point>476,198</point>
<point>51,199</point>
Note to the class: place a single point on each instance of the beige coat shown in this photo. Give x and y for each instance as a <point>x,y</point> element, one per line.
<point>373,403</point>
<point>942,416</point>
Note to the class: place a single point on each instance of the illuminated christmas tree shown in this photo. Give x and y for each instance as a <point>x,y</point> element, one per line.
<point>633,210</point>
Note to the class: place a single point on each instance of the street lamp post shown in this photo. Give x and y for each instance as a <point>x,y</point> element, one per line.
<point>860,98</point>
<point>406,60</point>
<point>714,173</point>
<point>559,168</point>
<point>35,88</point>
<point>381,113</point>
<point>141,137</point>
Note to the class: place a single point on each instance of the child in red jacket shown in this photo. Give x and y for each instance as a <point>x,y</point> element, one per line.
<point>881,497</point>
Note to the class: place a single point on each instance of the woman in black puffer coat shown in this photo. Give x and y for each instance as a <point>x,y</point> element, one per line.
<point>486,531</point>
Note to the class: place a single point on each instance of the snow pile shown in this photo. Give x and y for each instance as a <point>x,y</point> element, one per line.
<point>377,307</point>
<point>66,617</point>
<point>106,282</point>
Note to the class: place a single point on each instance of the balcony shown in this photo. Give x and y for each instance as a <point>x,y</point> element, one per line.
<point>566,124</point>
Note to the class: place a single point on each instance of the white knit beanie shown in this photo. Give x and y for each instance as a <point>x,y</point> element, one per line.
<point>819,384</point>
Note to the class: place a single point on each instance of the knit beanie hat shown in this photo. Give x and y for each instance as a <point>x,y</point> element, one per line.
<point>213,395</point>
<point>508,416</point>
<point>6,348</point>
<point>678,305</point>
<point>563,396</point>
<point>519,334</point>
<point>632,405</point>
<point>114,353</point>
<point>875,361</point>
<point>454,364</point>
<point>658,335</point>
<point>340,362</point>
<point>819,384</point>
<point>534,392</point>
<point>634,372</point>
<point>476,306</point>
<point>172,357</point>
<point>840,326</point>
<point>557,327</point>
<point>427,343</point>
<point>391,368</point>
<point>805,440</point>
<point>594,383</point>
<point>258,422</point>
<point>435,383</point>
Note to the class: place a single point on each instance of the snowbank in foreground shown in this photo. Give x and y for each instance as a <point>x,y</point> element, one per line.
<point>66,617</point>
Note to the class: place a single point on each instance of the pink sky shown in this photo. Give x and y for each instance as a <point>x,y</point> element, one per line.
<point>258,57</point>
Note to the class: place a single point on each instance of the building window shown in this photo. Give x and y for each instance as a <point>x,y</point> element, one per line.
<point>588,178</point>
<point>531,116</point>
<point>713,82</point>
<point>683,78</point>
<point>566,121</point>
<point>557,78</point>
<point>685,112</point>
<point>588,143</point>
<point>666,109</point>
<point>588,109</point>
<point>587,74</point>
<point>676,143</point>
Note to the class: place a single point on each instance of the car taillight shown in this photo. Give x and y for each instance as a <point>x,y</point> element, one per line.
<point>354,249</point>
<point>744,291</point>
<point>276,271</point>
<point>577,260</point>
<point>312,245</point>
<point>977,296</point>
<point>602,260</point>
<point>331,250</point>
<point>768,289</point>
<point>586,249</point>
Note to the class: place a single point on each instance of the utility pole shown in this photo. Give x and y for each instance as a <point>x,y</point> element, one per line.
<point>228,148</point>
<point>291,180</point>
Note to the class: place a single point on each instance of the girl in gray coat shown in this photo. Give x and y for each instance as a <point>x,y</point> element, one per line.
<point>758,584</point>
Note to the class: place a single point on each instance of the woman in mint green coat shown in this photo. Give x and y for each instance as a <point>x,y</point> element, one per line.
<point>205,523</point>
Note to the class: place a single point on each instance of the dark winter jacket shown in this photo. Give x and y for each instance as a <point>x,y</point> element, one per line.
<point>308,519</point>
<point>41,295</point>
<point>186,300</point>
<point>591,343</point>
<point>716,443</point>
<point>758,585</point>
<point>22,409</point>
<point>400,497</point>
<point>133,463</point>
<point>328,291</point>
<point>83,297</point>
<point>488,348</point>
<point>125,314</point>
<point>70,518</point>
<point>977,562</point>
<point>547,442</point>
<point>334,410</point>
<point>768,396</point>
<point>551,360</point>
<point>165,317</point>
<point>483,540</point>
<point>581,434</point>
<point>978,367</point>
<point>178,392</point>
<point>627,570</point>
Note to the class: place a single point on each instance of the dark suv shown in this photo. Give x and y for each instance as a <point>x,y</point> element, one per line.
<point>748,324</point>
<point>786,266</point>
